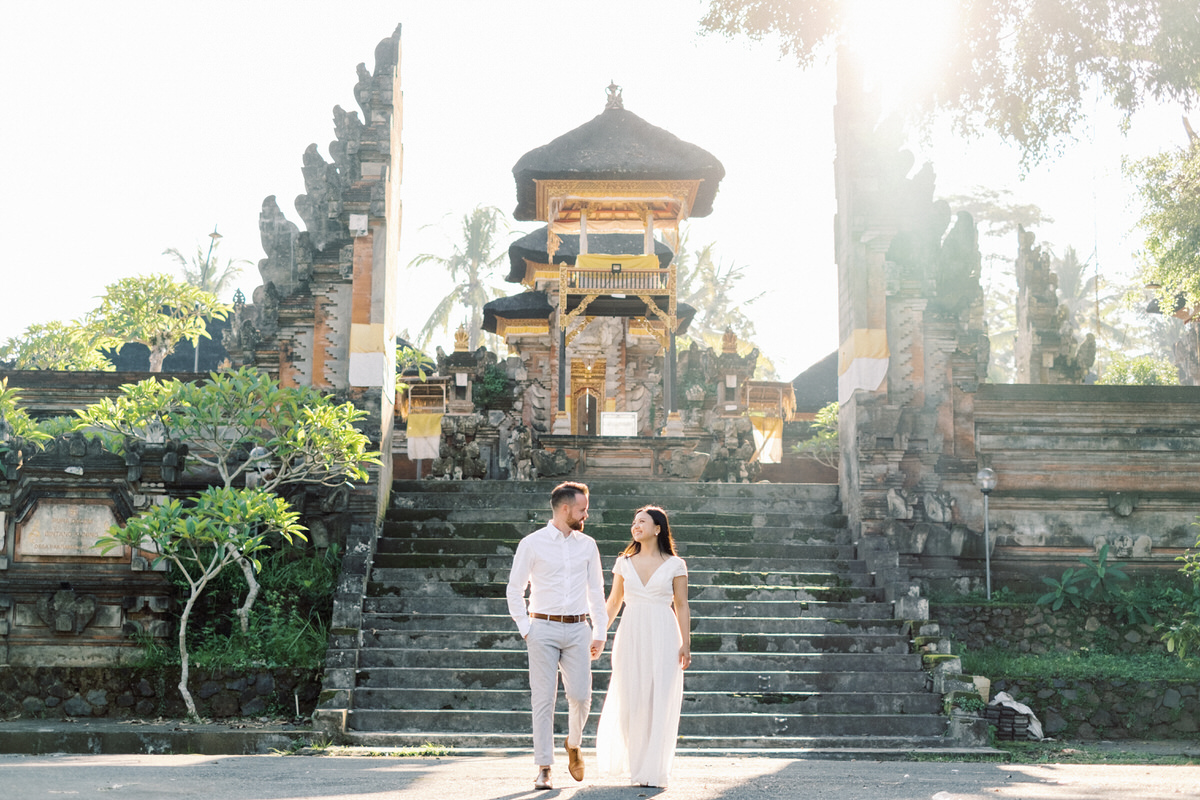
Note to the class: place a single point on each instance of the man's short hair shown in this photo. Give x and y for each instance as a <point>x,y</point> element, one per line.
<point>567,492</point>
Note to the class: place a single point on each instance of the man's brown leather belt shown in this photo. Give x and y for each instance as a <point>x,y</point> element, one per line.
<point>560,617</point>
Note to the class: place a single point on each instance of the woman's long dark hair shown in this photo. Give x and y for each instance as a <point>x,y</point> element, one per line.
<point>666,542</point>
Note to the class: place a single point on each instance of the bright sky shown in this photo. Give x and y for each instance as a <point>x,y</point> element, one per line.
<point>132,127</point>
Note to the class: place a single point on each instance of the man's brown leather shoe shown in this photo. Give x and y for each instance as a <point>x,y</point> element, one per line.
<point>575,762</point>
<point>542,781</point>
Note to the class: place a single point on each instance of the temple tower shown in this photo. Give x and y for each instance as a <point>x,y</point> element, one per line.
<point>325,313</point>
<point>596,329</point>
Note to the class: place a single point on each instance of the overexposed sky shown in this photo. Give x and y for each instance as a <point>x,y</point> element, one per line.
<point>131,127</point>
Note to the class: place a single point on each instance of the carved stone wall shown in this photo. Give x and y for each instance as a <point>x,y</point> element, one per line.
<point>910,298</point>
<point>1046,348</point>
<point>324,315</point>
<point>64,602</point>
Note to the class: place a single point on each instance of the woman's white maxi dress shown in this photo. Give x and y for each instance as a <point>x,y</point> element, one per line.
<point>640,720</point>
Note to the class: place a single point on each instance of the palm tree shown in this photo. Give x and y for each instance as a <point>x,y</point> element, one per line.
<point>205,272</point>
<point>470,264</point>
<point>709,287</point>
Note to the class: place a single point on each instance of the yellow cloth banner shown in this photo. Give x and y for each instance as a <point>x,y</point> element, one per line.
<point>862,362</point>
<point>768,439</point>
<point>424,435</point>
<point>606,262</point>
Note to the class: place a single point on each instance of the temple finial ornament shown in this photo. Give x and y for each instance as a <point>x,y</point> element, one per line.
<point>460,340</point>
<point>729,341</point>
<point>614,97</point>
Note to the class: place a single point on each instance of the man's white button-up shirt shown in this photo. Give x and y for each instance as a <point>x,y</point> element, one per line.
<point>564,576</point>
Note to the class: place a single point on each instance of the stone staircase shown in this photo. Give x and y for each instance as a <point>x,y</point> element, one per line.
<point>795,646</point>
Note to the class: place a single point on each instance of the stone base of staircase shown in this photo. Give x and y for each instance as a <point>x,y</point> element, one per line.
<point>798,646</point>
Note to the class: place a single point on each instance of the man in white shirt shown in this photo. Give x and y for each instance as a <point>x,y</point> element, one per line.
<point>561,567</point>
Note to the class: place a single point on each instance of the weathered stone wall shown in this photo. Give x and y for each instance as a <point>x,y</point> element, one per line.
<point>1083,709</point>
<point>1037,630</point>
<point>1109,709</point>
<point>128,693</point>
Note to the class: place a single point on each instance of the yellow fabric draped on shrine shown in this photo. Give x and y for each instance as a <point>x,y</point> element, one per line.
<point>424,435</point>
<point>768,439</point>
<point>605,262</point>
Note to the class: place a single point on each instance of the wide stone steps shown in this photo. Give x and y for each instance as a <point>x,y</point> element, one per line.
<point>776,609</point>
<point>373,657</point>
<point>741,642</point>
<point>610,549</point>
<point>416,576</point>
<point>691,723</point>
<point>873,746</point>
<point>698,680</point>
<point>517,699</point>
<point>793,645</point>
<point>503,623</point>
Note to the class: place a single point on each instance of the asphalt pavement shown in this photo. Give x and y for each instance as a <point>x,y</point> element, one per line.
<point>306,777</point>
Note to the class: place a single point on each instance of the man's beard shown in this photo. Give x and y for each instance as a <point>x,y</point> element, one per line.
<point>576,525</point>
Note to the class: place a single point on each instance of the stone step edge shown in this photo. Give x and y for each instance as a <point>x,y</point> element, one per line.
<point>847,753</point>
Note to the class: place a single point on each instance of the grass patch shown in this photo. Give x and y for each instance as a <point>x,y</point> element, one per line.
<point>1079,665</point>
<point>1050,752</point>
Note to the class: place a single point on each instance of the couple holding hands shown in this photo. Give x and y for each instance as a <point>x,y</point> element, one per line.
<point>560,567</point>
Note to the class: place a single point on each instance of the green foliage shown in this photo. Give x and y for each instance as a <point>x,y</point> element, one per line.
<point>244,426</point>
<point>1096,580</point>
<point>1025,69</point>
<point>1062,589</point>
<point>493,386</point>
<point>1139,371</point>
<point>202,538</point>
<point>1003,662</point>
<point>1169,188</point>
<point>471,265</point>
<point>154,310</point>
<point>823,446</point>
<point>412,364</point>
<point>306,436</point>
<point>17,418</point>
<point>222,526</point>
<point>1102,578</point>
<point>54,345</point>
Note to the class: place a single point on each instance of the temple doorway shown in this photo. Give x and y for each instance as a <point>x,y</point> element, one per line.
<point>587,394</point>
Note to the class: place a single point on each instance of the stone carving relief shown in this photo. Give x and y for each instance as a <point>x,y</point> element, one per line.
<point>66,612</point>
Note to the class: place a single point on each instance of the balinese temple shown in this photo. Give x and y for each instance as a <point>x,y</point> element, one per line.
<point>598,322</point>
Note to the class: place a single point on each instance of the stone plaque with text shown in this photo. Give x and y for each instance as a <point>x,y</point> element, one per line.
<point>66,530</point>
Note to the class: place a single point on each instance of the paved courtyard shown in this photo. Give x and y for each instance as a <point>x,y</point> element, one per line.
<point>509,778</point>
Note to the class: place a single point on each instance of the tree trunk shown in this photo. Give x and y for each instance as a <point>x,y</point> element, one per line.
<point>157,354</point>
<point>183,654</point>
<point>252,595</point>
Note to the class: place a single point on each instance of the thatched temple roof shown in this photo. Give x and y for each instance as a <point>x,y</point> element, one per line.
<point>617,145</point>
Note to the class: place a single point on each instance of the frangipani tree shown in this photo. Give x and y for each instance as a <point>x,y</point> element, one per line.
<point>256,437</point>
<point>220,527</point>
<point>54,345</point>
<point>155,310</point>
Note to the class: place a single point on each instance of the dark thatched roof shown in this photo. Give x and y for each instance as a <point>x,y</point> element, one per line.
<point>817,386</point>
<point>617,145</point>
<point>535,305</point>
<point>527,305</point>
<point>532,246</point>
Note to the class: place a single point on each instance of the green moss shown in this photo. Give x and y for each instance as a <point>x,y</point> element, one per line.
<point>705,643</point>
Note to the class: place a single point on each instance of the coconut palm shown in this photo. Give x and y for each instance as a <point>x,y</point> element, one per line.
<point>471,264</point>
<point>204,271</point>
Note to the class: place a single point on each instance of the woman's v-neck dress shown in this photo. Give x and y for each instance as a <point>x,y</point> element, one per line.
<point>640,720</point>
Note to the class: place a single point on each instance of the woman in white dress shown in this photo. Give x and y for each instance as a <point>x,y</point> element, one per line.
<point>652,648</point>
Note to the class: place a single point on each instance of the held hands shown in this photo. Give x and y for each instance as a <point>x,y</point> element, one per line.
<point>597,649</point>
<point>685,657</point>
